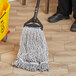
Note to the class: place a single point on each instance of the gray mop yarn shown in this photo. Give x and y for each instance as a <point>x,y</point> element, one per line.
<point>33,52</point>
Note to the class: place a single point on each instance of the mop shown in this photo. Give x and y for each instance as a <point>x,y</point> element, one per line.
<point>33,52</point>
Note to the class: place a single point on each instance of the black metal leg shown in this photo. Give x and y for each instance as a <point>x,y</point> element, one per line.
<point>47,7</point>
<point>23,2</point>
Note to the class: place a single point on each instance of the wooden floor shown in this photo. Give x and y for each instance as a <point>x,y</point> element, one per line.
<point>61,43</point>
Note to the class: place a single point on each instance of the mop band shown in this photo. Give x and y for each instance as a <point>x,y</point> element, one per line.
<point>34,62</point>
<point>33,27</point>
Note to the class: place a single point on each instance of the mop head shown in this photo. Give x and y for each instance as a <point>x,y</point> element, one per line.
<point>33,52</point>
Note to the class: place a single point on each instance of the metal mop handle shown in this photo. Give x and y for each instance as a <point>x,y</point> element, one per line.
<point>35,19</point>
<point>36,9</point>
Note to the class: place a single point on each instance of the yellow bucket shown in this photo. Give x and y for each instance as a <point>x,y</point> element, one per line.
<point>4,22</point>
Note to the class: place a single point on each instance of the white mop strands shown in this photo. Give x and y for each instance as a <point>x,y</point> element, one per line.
<point>33,52</point>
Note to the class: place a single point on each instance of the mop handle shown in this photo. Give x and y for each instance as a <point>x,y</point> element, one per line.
<point>36,9</point>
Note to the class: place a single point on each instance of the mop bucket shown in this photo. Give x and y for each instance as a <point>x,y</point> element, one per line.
<point>4,24</point>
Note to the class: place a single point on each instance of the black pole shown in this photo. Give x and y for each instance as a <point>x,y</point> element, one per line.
<point>36,9</point>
